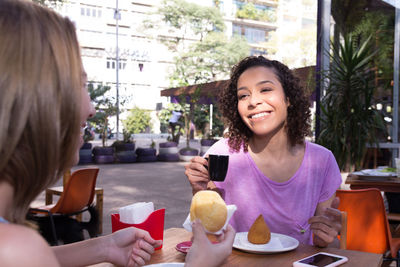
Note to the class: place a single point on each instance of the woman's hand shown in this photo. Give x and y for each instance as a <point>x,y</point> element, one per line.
<point>326,224</point>
<point>197,173</point>
<point>130,247</point>
<point>203,252</point>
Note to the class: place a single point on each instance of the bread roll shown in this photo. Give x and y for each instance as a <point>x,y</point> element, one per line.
<point>259,232</point>
<point>210,208</point>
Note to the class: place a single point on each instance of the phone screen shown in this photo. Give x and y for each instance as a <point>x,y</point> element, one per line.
<point>320,260</point>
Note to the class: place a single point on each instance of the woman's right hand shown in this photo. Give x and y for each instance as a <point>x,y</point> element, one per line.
<point>203,252</point>
<point>197,173</point>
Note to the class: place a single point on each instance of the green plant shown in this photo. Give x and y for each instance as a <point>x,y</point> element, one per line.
<point>104,106</point>
<point>137,121</point>
<point>249,11</point>
<point>349,120</point>
<point>127,137</point>
<point>187,104</point>
<point>201,119</point>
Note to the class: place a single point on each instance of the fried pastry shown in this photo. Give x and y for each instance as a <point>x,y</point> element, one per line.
<point>210,208</point>
<point>259,232</point>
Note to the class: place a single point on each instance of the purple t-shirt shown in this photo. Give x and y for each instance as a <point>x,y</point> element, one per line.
<point>287,206</point>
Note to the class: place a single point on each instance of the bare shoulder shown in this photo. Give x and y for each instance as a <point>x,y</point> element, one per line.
<point>21,246</point>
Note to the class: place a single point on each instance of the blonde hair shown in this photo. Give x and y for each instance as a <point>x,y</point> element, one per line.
<point>40,99</point>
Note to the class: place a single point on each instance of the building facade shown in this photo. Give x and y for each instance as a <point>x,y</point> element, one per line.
<point>144,62</point>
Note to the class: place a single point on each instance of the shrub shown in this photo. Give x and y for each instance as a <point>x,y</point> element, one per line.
<point>137,121</point>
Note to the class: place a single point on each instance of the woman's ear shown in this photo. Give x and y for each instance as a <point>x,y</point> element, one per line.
<point>287,102</point>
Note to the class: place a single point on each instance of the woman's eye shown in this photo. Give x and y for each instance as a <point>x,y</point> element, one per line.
<point>241,97</point>
<point>266,89</point>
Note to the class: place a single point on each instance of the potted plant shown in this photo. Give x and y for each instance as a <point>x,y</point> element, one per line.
<point>187,104</point>
<point>104,109</point>
<point>349,119</point>
<point>139,121</point>
<point>147,154</point>
<point>85,152</point>
<point>125,149</point>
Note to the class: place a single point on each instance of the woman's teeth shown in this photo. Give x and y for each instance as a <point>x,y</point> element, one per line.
<point>259,115</point>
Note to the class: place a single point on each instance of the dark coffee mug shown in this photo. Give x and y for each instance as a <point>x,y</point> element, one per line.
<point>217,167</point>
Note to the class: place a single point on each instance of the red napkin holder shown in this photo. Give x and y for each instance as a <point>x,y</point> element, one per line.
<point>154,224</point>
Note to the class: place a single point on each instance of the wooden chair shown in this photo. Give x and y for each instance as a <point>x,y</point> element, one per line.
<point>76,198</point>
<point>367,224</point>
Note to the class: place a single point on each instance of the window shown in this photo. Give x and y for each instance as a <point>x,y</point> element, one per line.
<point>94,12</point>
<point>252,34</point>
<point>112,63</point>
<point>236,29</point>
<point>257,52</point>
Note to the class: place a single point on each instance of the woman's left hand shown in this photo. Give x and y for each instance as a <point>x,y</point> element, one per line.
<point>130,247</point>
<point>326,224</point>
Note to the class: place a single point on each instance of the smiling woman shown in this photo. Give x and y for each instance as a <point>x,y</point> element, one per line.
<point>272,170</point>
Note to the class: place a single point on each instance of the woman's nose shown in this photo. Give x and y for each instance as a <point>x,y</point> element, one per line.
<point>254,99</point>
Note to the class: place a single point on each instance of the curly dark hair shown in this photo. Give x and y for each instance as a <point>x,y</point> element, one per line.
<point>298,118</point>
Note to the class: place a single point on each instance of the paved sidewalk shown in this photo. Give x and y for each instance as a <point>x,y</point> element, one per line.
<point>163,183</point>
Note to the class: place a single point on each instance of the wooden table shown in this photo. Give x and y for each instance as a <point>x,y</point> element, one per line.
<point>99,201</point>
<point>174,236</point>
<point>385,184</point>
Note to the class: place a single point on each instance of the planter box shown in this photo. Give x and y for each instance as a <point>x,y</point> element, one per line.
<point>186,154</point>
<point>126,156</point>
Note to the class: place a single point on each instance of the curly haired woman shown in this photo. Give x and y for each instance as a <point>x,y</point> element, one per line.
<point>272,170</point>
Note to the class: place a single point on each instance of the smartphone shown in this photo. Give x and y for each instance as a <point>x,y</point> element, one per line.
<point>321,259</point>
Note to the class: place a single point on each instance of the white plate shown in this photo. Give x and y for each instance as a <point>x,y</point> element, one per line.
<point>374,172</point>
<point>167,264</point>
<point>278,243</point>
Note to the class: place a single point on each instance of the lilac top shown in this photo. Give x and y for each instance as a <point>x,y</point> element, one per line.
<point>287,206</point>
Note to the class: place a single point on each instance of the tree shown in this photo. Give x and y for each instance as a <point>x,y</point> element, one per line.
<point>185,19</point>
<point>301,45</point>
<point>347,14</point>
<point>49,3</point>
<point>104,106</point>
<point>137,121</point>
<point>208,59</point>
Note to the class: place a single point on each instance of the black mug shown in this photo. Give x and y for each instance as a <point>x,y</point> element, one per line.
<point>217,167</point>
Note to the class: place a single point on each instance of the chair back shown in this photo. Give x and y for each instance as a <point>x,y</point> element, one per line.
<point>78,192</point>
<point>367,225</point>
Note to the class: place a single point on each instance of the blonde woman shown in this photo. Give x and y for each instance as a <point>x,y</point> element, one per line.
<point>44,106</point>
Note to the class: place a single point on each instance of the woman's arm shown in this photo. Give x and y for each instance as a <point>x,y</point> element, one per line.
<point>127,247</point>
<point>326,223</point>
<point>21,246</point>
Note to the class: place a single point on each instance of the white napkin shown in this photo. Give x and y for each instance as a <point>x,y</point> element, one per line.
<point>136,213</point>
<point>231,210</point>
